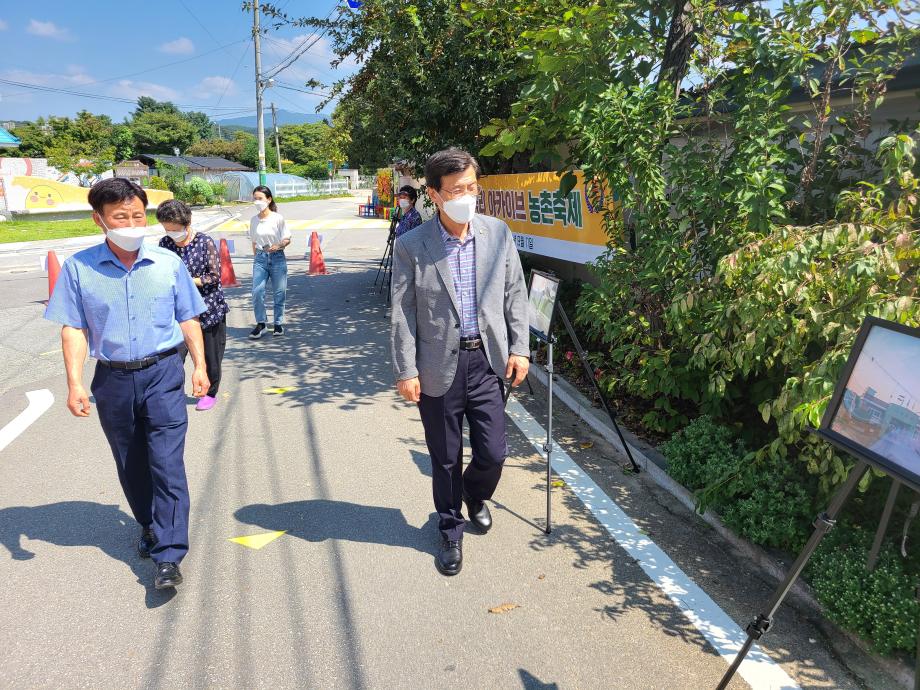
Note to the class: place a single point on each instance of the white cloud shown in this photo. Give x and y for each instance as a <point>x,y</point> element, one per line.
<point>75,76</point>
<point>126,88</point>
<point>215,87</point>
<point>3,25</point>
<point>48,30</point>
<point>181,46</point>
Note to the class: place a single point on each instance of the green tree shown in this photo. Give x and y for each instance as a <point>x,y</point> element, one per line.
<point>202,124</point>
<point>301,143</point>
<point>250,154</point>
<point>160,131</point>
<point>146,104</point>
<point>333,145</point>
<point>221,148</point>
<point>427,79</point>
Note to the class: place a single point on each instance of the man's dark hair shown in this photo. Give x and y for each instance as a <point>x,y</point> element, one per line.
<point>115,190</point>
<point>448,162</point>
<point>411,191</point>
<point>174,211</point>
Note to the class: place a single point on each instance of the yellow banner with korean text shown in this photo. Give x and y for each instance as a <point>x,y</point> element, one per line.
<point>542,220</point>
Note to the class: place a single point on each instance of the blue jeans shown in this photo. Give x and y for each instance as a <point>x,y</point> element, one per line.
<point>269,266</point>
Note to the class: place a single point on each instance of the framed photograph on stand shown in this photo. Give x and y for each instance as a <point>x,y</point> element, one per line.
<point>874,413</point>
<point>544,294</point>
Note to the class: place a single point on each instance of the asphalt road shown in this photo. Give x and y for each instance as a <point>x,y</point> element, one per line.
<point>309,438</point>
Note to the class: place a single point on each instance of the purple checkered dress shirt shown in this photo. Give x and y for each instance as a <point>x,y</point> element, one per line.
<point>461,257</point>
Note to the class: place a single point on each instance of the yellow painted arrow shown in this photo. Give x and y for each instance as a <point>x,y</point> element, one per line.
<point>257,541</point>
<point>278,391</point>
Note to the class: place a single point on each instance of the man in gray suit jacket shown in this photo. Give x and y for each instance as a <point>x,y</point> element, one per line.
<point>459,321</point>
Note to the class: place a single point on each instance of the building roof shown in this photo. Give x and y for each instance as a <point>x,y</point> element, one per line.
<point>193,163</point>
<point>7,140</point>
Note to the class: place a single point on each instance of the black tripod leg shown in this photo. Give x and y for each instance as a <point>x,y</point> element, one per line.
<point>590,374</point>
<point>383,259</point>
<point>387,269</point>
<point>823,525</point>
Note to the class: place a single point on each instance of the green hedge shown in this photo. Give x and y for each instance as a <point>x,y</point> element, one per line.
<point>771,506</point>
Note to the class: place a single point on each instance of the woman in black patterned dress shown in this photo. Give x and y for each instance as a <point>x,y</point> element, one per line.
<point>199,254</point>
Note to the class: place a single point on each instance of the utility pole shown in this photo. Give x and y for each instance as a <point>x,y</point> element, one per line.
<point>260,119</point>
<point>219,135</point>
<point>277,140</point>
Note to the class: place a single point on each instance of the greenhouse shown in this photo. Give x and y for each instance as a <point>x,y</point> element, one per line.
<point>240,185</point>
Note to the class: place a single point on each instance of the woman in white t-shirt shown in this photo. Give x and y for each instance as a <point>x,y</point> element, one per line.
<point>269,236</point>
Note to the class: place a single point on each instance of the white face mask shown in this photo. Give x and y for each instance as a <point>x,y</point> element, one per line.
<point>178,236</point>
<point>129,239</point>
<point>261,205</point>
<point>404,204</point>
<point>461,209</point>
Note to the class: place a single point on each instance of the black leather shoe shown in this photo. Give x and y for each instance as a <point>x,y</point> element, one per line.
<point>168,575</point>
<point>146,543</point>
<point>450,558</point>
<point>480,517</point>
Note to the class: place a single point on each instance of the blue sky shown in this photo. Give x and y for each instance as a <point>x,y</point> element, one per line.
<point>123,50</point>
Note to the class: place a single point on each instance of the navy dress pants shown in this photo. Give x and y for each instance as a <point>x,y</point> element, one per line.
<point>476,393</point>
<point>144,418</point>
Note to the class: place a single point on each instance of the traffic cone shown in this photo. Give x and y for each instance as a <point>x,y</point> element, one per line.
<point>227,275</point>
<point>317,265</point>
<point>54,270</point>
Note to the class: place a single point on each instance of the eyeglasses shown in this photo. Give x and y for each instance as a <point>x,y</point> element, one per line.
<point>460,190</point>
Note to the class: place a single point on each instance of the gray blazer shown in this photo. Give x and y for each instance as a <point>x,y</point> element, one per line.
<point>425,319</point>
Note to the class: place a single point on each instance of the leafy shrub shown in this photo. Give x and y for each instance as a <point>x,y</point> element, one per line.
<point>880,606</point>
<point>770,505</point>
<point>157,182</point>
<point>196,191</point>
<point>703,453</point>
<point>313,170</point>
<point>764,501</point>
<point>218,191</point>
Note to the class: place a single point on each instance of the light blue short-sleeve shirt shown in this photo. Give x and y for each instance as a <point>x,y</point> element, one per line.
<point>129,314</point>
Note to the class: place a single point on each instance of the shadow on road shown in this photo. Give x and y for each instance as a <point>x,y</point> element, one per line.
<point>81,523</point>
<point>319,520</point>
<point>336,343</point>
<point>531,682</point>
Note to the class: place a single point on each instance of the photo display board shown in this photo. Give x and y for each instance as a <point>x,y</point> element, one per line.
<point>874,413</point>
<point>544,292</point>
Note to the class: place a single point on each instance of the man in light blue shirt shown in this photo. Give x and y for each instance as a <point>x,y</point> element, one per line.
<point>130,306</point>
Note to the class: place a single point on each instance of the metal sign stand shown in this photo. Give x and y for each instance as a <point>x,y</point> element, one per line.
<point>548,446</point>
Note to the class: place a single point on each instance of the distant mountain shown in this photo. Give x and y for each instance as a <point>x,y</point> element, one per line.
<point>285,117</point>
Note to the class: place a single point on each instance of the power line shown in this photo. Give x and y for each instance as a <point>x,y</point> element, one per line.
<point>235,70</point>
<point>100,97</point>
<point>295,54</point>
<point>311,93</point>
<point>153,69</point>
<point>200,23</point>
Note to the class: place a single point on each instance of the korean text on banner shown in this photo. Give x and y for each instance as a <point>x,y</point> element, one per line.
<point>542,220</point>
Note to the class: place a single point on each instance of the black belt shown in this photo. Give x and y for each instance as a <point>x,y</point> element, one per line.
<point>140,363</point>
<point>473,343</point>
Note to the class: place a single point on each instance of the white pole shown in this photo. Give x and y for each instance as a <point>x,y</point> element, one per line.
<point>260,118</point>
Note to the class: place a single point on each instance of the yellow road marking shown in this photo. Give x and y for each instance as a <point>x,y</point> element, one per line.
<point>257,541</point>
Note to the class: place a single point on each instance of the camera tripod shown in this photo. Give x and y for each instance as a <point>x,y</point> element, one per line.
<point>385,268</point>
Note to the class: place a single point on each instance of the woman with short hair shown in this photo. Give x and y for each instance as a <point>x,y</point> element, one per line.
<point>199,254</point>
<point>410,217</point>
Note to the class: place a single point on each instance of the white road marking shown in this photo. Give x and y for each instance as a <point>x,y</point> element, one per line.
<point>39,403</point>
<point>758,669</point>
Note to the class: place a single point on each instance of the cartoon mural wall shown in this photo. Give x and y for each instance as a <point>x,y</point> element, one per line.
<point>28,194</point>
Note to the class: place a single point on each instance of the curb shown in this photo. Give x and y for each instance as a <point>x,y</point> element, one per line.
<point>654,465</point>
